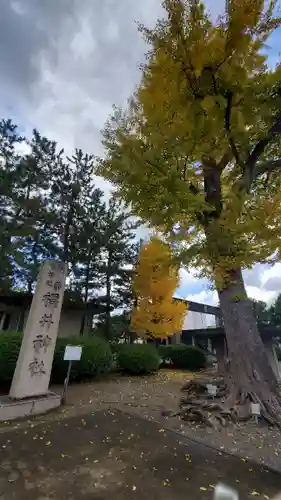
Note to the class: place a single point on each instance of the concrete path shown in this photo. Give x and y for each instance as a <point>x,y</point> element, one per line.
<point>113,453</point>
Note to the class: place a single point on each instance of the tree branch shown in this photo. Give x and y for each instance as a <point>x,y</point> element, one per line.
<point>267,167</point>
<point>261,145</point>
<point>212,188</point>
<point>226,158</point>
<point>227,118</point>
<point>250,171</point>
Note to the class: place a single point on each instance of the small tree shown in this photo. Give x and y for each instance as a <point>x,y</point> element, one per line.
<point>274,312</point>
<point>119,328</point>
<point>261,312</point>
<point>156,315</point>
<point>118,253</point>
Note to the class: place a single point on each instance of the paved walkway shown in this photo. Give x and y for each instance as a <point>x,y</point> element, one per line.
<point>114,453</point>
<point>149,396</point>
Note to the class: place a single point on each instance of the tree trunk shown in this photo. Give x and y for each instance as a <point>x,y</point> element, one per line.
<point>108,299</point>
<point>219,345</point>
<point>29,286</point>
<point>86,294</point>
<point>251,376</point>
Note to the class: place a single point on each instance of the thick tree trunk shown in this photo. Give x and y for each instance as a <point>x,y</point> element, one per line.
<point>248,376</point>
<point>251,377</point>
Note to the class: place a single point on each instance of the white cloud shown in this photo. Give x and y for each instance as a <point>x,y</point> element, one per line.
<point>209,297</point>
<point>65,63</point>
<point>188,277</point>
<point>262,283</point>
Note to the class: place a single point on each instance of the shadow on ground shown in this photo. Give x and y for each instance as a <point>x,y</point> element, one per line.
<point>113,453</point>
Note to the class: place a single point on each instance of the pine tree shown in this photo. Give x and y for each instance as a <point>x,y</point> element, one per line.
<point>119,328</point>
<point>117,258</point>
<point>197,154</point>
<point>51,209</point>
<point>274,312</point>
<point>15,202</point>
<point>261,312</point>
<point>35,238</point>
<point>88,240</point>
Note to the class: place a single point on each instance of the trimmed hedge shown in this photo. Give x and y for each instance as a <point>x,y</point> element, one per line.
<point>116,348</point>
<point>138,359</point>
<point>10,343</point>
<point>165,351</point>
<point>182,356</point>
<point>96,358</point>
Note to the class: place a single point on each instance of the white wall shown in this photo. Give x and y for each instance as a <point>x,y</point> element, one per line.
<point>194,320</point>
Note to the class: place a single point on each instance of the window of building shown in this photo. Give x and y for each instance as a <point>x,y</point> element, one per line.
<point>5,320</point>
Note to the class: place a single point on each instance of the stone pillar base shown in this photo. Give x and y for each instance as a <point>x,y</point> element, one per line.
<point>24,408</point>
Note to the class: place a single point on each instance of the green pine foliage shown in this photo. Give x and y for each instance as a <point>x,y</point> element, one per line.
<point>50,208</point>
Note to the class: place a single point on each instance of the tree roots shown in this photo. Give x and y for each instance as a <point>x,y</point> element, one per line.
<point>226,406</point>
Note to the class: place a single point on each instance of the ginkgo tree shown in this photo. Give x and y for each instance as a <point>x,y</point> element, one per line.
<point>197,153</point>
<point>156,315</point>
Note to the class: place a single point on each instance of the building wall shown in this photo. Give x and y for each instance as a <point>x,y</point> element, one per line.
<point>194,320</point>
<point>70,320</point>
<point>70,323</point>
<point>13,312</point>
<point>217,344</point>
<point>270,347</point>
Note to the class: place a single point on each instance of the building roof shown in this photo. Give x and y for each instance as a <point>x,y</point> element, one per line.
<point>266,332</point>
<point>71,301</point>
<point>200,308</point>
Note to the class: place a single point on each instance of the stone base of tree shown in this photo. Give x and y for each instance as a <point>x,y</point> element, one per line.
<point>222,408</point>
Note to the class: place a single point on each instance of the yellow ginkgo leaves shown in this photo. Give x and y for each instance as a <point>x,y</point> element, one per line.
<point>156,314</point>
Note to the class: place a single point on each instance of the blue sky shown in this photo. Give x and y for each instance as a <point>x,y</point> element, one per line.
<point>64,63</point>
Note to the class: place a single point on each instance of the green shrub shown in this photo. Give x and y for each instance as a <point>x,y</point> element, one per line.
<point>138,358</point>
<point>278,353</point>
<point>96,358</point>
<point>182,356</point>
<point>10,343</point>
<point>115,347</point>
<point>165,351</point>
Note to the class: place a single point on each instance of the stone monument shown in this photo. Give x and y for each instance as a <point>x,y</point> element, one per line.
<point>29,393</point>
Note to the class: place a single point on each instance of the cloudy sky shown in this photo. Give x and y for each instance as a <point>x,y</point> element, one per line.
<point>64,63</point>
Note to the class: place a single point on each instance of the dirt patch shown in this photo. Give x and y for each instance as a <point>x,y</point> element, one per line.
<point>113,453</point>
